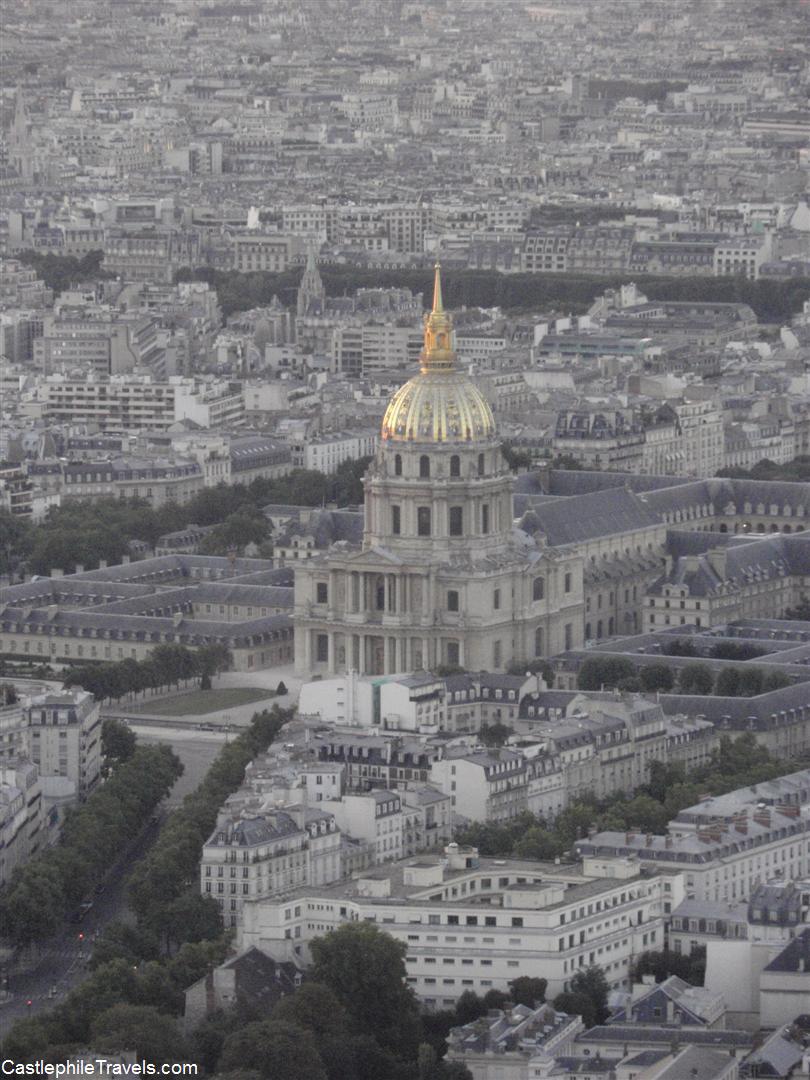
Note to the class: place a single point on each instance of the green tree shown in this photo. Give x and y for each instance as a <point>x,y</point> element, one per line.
<point>365,968</point>
<point>735,650</point>
<point>656,677</point>
<point>538,843</point>
<point>592,983</point>
<point>121,941</point>
<point>495,734</point>
<point>728,683</point>
<point>211,660</point>
<point>577,1005</point>
<point>751,680</point>
<point>800,611</point>
<point>604,672</point>
<point>15,542</point>
<point>696,679</point>
<point>527,990</point>
<point>275,1050</point>
<point>142,1028</point>
<point>315,1008</point>
<point>118,742</point>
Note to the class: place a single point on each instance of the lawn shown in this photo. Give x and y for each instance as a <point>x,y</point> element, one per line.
<point>198,702</point>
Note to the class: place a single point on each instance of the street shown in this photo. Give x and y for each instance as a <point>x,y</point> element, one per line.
<point>62,961</point>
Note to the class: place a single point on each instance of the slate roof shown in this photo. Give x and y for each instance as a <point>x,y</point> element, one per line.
<point>664,1035</point>
<point>260,980</point>
<point>790,959</point>
<point>587,517</point>
<point>777,1056</point>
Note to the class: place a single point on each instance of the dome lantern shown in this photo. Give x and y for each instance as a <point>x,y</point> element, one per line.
<point>441,404</point>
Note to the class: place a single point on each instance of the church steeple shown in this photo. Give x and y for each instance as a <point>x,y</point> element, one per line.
<point>311,291</point>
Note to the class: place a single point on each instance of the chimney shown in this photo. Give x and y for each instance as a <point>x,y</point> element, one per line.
<point>79,568</point>
<point>629,837</point>
<point>648,840</point>
<point>177,618</point>
<point>667,841</point>
<point>57,573</point>
<point>788,809</point>
<point>125,560</point>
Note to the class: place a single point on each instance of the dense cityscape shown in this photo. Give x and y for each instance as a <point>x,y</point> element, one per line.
<point>405,539</point>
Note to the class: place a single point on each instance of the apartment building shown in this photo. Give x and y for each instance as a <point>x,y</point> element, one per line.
<point>64,738</point>
<point>725,844</point>
<point>21,814</point>
<point>326,453</point>
<point>255,857</point>
<point>374,349</point>
<point>157,480</point>
<point>486,785</point>
<point>260,251</point>
<point>117,403</point>
<point>475,924</point>
<point>107,346</point>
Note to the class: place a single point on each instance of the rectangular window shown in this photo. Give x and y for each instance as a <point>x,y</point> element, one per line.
<point>396,520</point>
<point>569,636</point>
<point>485,518</point>
<point>567,583</point>
<point>322,648</point>
<point>321,592</point>
<point>452,600</point>
<point>496,599</point>
<point>423,521</point>
<point>456,521</point>
<point>496,654</point>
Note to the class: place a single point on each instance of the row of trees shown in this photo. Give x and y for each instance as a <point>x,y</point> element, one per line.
<point>43,891</point>
<point>60,272</point>
<point>797,470</point>
<point>608,672</point>
<point>139,972</point>
<point>737,763</point>
<point>166,666</point>
<point>800,611</point>
<point>724,649</point>
<point>164,887</point>
<point>773,301</point>
<point>84,533</point>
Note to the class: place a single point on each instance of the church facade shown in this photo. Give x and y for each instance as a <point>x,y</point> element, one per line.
<point>443,576</point>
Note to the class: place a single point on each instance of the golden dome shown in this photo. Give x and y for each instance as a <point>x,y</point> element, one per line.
<point>441,403</point>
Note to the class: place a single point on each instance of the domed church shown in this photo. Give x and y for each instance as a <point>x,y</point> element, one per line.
<point>443,576</point>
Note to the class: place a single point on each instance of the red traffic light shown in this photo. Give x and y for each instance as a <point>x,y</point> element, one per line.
<point>29,1003</point>
<point>81,936</point>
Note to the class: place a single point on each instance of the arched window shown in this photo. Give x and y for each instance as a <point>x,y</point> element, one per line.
<point>455,465</point>
<point>480,464</point>
<point>538,641</point>
<point>398,464</point>
<point>424,465</point>
<point>538,588</point>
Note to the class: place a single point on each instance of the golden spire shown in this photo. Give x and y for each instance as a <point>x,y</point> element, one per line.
<point>438,306</point>
<point>437,354</point>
